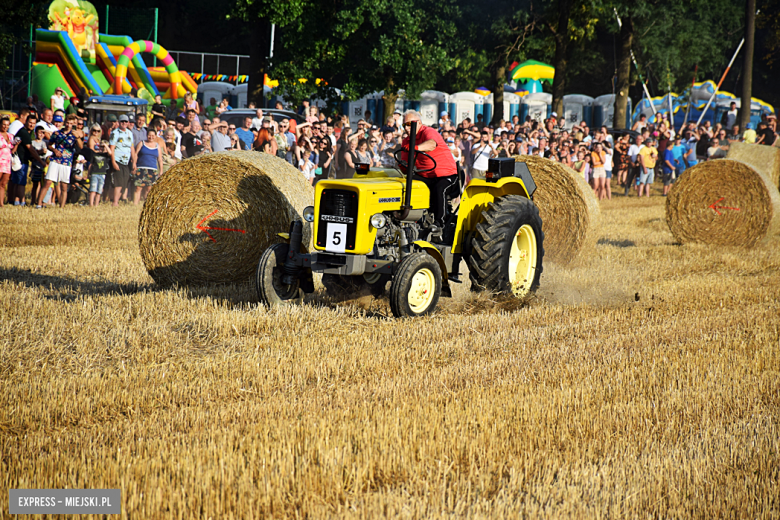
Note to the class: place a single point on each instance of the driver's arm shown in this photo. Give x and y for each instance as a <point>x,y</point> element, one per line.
<point>427,146</point>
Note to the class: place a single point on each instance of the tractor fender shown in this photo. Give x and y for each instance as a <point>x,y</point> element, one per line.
<point>431,250</point>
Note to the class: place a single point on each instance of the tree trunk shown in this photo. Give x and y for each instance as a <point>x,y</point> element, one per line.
<point>258,61</point>
<point>390,97</point>
<point>623,73</point>
<point>498,94</point>
<point>747,68</point>
<point>561,48</point>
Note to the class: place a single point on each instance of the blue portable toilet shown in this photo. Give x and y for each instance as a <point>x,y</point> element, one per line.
<point>375,103</point>
<point>465,105</point>
<point>576,108</point>
<point>432,104</point>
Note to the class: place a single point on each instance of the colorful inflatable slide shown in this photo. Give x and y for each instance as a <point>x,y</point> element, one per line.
<point>72,55</point>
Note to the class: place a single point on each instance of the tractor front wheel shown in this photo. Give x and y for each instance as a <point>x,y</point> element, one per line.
<point>270,289</point>
<point>507,248</point>
<point>416,286</point>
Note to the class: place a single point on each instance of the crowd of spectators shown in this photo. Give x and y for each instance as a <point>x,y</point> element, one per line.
<point>122,158</point>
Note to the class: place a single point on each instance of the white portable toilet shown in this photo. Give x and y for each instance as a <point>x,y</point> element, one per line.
<point>576,108</point>
<point>214,89</point>
<point>432,103</point>
<point>465,104</point>
<point>400,101</point>
<point>239,95</point>
<point>604,111</point>
<point>535,105</point>
<point>356,111</point>
<point>511,106</point>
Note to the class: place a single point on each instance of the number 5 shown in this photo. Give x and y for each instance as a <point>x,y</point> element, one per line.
<point>337,238</point>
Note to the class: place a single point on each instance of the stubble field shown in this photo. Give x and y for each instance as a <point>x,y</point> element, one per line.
<point>643,381</point>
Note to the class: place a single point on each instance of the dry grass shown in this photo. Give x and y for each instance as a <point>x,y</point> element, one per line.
<point>582,402</point>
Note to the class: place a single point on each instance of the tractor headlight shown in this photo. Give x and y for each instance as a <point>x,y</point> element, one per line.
<point>308,213</point>
<point>378,220</point>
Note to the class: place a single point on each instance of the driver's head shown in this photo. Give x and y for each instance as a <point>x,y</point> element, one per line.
<point>412,115</point>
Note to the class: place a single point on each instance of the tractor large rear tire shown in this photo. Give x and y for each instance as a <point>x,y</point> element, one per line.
<point>416,286</point>
<point>507,248</point>
<point>268,281</point>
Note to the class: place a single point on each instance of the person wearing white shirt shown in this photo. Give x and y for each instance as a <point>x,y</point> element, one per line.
<point>633,170</point>
<point>58,100</point>
<point>481,152</point>
<point>257,122</point>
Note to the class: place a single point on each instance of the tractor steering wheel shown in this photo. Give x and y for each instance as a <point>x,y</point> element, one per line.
<point>403,163</point>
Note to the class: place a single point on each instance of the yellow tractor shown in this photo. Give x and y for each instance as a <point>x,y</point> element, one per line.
<point>377,228</point>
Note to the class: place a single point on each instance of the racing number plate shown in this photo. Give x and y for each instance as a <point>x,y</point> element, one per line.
<point>336,238</point>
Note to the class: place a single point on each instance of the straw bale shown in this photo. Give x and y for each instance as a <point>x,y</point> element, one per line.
<point>723,202</point>
<point>765,159</point>
<point>239,190</point>
<point>569,209</point>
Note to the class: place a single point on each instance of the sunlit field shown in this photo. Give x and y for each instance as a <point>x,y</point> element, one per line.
<point>641,381</point>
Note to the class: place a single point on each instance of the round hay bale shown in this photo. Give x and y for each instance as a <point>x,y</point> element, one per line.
<point>209,218</point>
<point>765,159</point>
<point>723,202</point>
<point>568,207</point>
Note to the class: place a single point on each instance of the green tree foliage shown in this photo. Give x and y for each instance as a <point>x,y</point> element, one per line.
<point>15,19</point>
<point>363,46</point>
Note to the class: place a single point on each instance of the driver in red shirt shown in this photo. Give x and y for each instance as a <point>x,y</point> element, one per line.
<point>446,173</point>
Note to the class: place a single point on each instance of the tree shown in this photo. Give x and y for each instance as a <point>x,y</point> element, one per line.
<point>16,16</point>
<point>747,69</point>
<point>260,14</point>
<point>625,40</point>
<point>561,35</point>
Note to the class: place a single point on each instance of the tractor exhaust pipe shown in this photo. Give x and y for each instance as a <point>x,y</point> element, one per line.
<point>411,158</point>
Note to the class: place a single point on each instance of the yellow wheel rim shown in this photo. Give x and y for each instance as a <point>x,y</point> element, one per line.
<point>522,261</point>
<point>421,292</point>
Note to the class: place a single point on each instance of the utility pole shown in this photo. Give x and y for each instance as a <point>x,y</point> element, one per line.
<point>747,68</point>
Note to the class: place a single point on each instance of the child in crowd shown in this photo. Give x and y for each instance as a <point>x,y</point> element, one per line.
<point>97,172</point>
<point>168,158</point>
<point>39,143</point>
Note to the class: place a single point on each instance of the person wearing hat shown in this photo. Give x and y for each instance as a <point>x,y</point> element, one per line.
<point>749,136</point>
<point>443,118</point>
<point>122,158</point>
<point>58,100</point>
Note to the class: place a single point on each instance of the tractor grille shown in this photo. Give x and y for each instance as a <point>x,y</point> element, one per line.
<point>338,207</point>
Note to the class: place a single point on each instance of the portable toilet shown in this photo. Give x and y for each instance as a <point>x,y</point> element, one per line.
<point>355,110</point>
<point>604,111</point>
<point>432,104</point>
<point>577,108</point>
<point>511,105</point>
<point>536,105</point>
<point>238,96</point>
<point>375,103</point>
<point>218,90</point>
<point>465,105</point>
